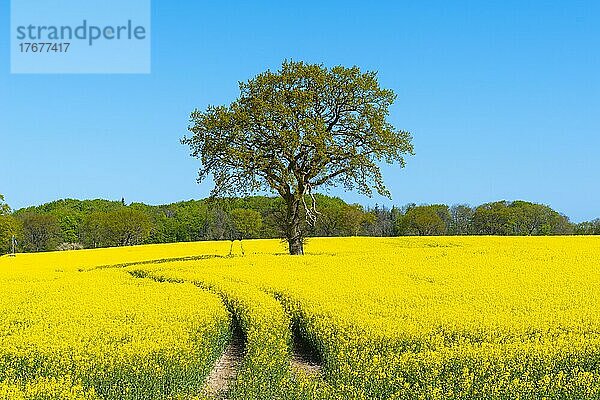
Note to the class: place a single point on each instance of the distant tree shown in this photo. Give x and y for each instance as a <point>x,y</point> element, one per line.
<point>519,218</point>
<point>69,223</point>
<point>426,220</point>
<point>99,223</point>
<point>562,226</point>
<point>395,216</point>
<point>330,218</point>
<point>536,219</point>
<point>220,225</point>
<point>596,227</point>
<point>444,213</point>
<point>381,222</point>
<point>492,219</point>
<point>71,215</point>
<point>190,220</point>
<point>354,219</point>
<point>274,219</point>
<point>4,208</point>
<point>124,226</point>
<point>166,228</point>
<point>93,231</point>
<point>461,221</point>
<point>401,224</point>
<point>337,218</point>
<point>588,227</point>
<point>127,227</point>
<point>295,130</point>
<point>41,232</point>
<point>248,223</point>
<point>529,219</point>
<point>9,227</point>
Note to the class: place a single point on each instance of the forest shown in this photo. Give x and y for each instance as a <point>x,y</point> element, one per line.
<point>74,224</point>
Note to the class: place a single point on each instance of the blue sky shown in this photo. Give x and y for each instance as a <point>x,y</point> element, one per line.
<point>502,98</point>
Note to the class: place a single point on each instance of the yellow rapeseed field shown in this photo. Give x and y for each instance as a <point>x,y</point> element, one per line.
<point>398,318</point>
<point>69,331</point>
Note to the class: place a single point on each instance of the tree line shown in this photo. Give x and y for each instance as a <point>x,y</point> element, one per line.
<point>74,224</point>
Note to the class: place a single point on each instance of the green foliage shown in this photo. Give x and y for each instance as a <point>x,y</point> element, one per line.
<point>425,220</point>
<point>588,227</point>
<point>183,221</point>
<point>101,223</point>
<point>9,226</point>
<point>336,218</point>
<point>381,221</point>
<point>41,232</point>
<point>247,222</point>
<point>4,208</point>
<point>70,215</point>
<point>519,218</point>
<point>461,217</point>
<point>124,226</point>
<point>295,130</point>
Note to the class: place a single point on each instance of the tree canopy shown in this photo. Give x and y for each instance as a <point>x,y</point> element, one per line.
<point>518,218</point>
<point>4,208</point>
<point>297,129</point>
<point>72,224</point>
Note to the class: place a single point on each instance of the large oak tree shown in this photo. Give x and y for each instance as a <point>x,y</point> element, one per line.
<point>298,129</point>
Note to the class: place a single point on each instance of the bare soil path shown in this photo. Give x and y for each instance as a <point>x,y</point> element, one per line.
<point>304,357</point>
<point>225,370</point>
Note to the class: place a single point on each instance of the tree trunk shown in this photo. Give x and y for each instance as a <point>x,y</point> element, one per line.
<point>293,230</point>
<point>296,246</point>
